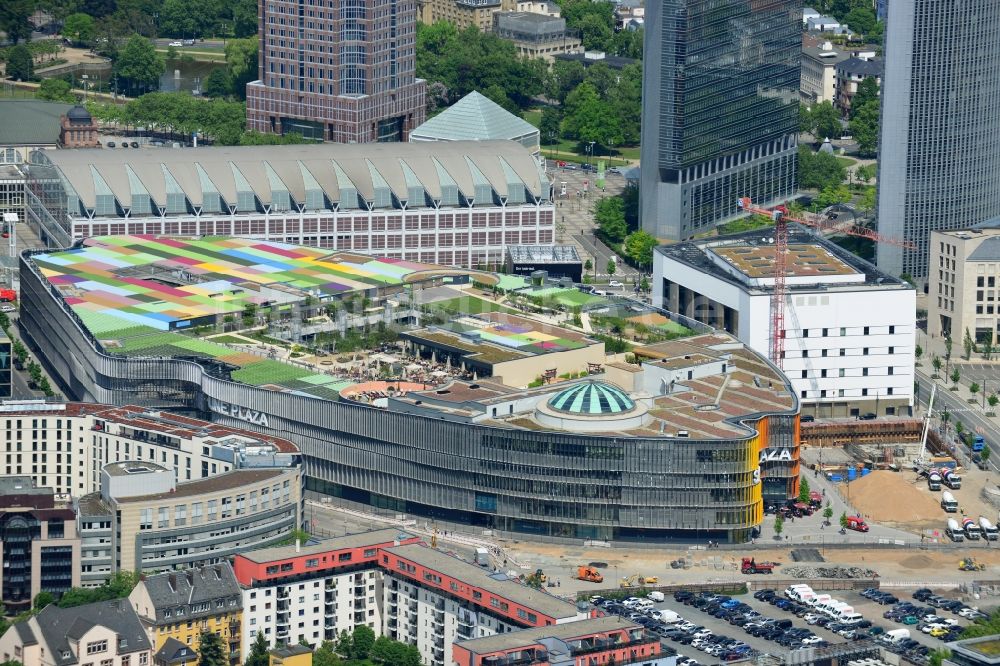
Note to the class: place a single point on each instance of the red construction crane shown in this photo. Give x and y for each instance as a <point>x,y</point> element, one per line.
<point>780,216</point>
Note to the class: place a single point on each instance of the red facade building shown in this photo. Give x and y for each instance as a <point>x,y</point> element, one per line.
<point>342,70</point>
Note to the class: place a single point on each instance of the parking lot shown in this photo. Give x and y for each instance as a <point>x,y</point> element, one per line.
<point>711,629</point>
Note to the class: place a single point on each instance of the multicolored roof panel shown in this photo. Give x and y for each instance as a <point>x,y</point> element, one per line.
<point>155,281</point>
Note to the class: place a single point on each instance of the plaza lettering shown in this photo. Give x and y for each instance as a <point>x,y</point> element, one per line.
<point>776,455</point>
<point>238,412</point>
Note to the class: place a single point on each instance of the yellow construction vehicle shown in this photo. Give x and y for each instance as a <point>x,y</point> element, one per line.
<point>970,564</point>
<point>638,580</point>
<point>537,579</point>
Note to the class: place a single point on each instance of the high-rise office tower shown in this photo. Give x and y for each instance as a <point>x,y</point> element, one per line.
<point>720,110</point>
<point>337,70</point>
<point>939,149</point>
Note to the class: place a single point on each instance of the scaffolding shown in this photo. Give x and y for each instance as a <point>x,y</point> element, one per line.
<point>876,432</point>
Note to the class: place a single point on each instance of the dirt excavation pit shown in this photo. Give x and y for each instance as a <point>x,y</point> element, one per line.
<point>891,497</point>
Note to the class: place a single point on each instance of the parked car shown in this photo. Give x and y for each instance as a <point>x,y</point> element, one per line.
<point>175,44</point>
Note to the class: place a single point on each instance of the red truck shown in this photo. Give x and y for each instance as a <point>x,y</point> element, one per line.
<point>857,524</point>
<point>8,295</point>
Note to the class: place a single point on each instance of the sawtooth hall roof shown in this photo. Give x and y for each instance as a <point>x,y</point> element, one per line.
<point>297,177</point>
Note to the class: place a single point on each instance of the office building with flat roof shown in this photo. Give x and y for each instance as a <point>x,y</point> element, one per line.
<point>342,71</point>
<point>720,111</point>
<point>939,147</point>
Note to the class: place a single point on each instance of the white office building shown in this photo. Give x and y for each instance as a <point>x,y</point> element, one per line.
<point>849,328</point>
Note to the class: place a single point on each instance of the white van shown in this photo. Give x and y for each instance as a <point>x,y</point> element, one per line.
<point>794,591</point>
<point>643,605</point>
<point>655,596</point>
<point>669,617</point>
<point>819,600</point>
<point>851,618</point>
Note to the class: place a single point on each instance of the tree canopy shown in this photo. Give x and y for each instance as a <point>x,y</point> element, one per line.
<point>819,170</point>
<point>139,65</point>
<point>864,128</point>
<point>20,63</point>
<point>469,60</point>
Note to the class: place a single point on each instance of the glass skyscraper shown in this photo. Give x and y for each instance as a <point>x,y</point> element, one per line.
<point>939,151</point>
<point>720,110</point>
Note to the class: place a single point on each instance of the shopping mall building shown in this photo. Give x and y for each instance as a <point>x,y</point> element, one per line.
<point>687,445</point>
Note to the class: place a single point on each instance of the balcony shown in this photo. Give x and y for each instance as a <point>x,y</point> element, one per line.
<point>392,623</point>
<point>438,618</point>
<point>412,607</point>
<point>438,654</point>
<point>282,604</point>
<point>603,644</point>
<point>393,597</point>
<point>281,634</point>
<point>330,584</point>
<point>439,605</point>
<point>465,632</point>
<point>282,593</point>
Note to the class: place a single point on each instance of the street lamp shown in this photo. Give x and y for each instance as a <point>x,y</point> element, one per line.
<point>590,151</point>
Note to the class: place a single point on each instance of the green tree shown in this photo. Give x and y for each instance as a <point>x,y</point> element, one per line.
<point>324,655</point>
<point>864,128</point>
<point>381,649</point>
<point>4,321</point>
<point>867,200</point>
<point>595,33</point>
<point>644,284</point>
<point>992,400</point>
<point>831,196</point>
<point>826,121</point>
<point>14,16</point>
<point>803,489</point>
<point>612,266</point>
<point>610,217</point>
<point>806,124</point>
<point>827,513</point>
<point>20,64</point>
<point>587,118</point>
<point>968,344</point>
<point>974,388</point>
<point>258,655</point>
<point>42,599</point>
<point>819,170</point>
<point>867,93</point>
<point>563,78</point>
<point>139,64</point>
<point>497,94</point>
<point>241,61</point>
<point>987,349</point>
<point>55,90</point>
<point>588,266</point>
<point>865,172</point>
<point>362,640</point>
<point>918,352</point>
<point>639,246</point>
<point>45,387</point>
<point>344,645</point>
<point>218,83</point>
<point>985,453</point>
<point>861,20</point>
<point>78,28</point>
<point>211,651</point>
<point>936,363</point>
<point>955,376</point>
<point>937,657</point>
<point>549,126</point>
<point>843,519</point>
<point>779,524</point>
<point>948,344</point>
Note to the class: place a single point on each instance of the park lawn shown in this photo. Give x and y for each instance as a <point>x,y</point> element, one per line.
<point>674,327</point>
<point>199,56</point>
<point>533,116</point>
<point>470,305</point>
<point>846,162</point>
<point>575,298</point>
<point>232,340</point>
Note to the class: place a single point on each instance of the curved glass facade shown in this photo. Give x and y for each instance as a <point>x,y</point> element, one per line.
<point>593,398</point>
<point>540,482</point>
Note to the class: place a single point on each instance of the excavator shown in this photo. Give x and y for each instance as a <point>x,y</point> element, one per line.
<point>970,564</point>
<point>638,580</point>
<point>537,579</point>
<point>589,574</point>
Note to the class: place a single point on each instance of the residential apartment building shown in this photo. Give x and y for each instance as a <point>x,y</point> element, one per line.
<point>180,606</point>
<point>545,7</point>
<point>720,114</point>
<point>850,74</point>
<point>39,545</point>
<point>105,633</point>
<point>66,445</point>
<point>342,71</point>
<point>143,520</point>
<point>964,284</point>
<point>602,640</point>
<point>939,147</point>
<point>464,13</point>
<point>389,581</point>
<point>536,35</point>
<point>850,329</point>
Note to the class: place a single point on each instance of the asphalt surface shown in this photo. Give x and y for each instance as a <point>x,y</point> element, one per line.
<point>970,415</point>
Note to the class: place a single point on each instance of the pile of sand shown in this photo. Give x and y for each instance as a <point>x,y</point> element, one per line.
<point>885,496</point>
<point>917,562</point>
